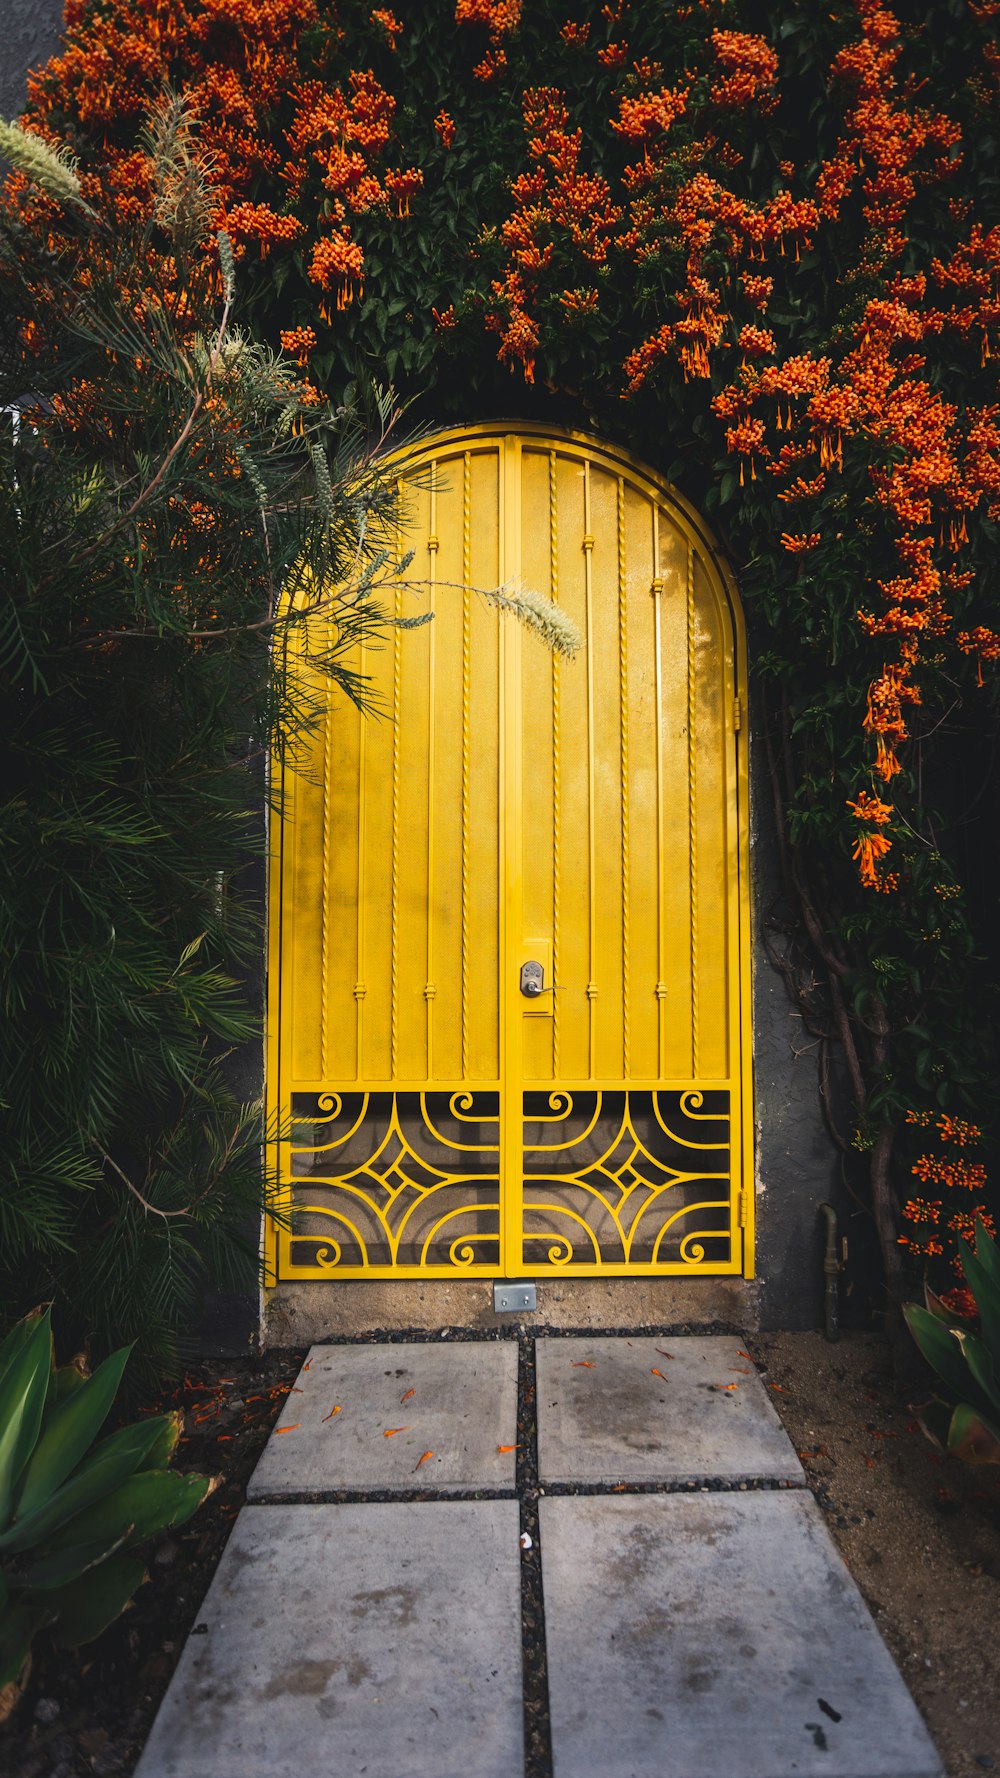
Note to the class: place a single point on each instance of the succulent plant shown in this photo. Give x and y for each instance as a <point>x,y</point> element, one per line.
<point>72,1511</point>
<point>968,1423</point>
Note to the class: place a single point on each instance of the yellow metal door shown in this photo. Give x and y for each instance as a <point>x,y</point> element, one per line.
<point>510,809</point>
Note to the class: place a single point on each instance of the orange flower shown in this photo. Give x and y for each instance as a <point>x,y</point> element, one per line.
<point>868,848</point>
<point>445,127</point>
<point>391,25</point>
<point>869,808</point>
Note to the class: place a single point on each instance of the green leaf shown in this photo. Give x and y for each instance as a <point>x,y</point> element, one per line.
<point>16,1341</point>
<point>70,1433</point>
<point>190,950</point>
<point>935,1420</point>
<point>17,1627</point>
<point>22,1400</point>
<point>987,1295</point>
<point>977,1356</point>
<point>988,1254</point>
<point>113,1460</point>
<point>86,1607</point>
<point>150,1501</point>
<point>973,1437</point>
<point>939,1346</point>
<point>59,1567</point>
<point>166,1441</point>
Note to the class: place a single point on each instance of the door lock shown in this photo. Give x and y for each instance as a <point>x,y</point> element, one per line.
<point>532,980</point>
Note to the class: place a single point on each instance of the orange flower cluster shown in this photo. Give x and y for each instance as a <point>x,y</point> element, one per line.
<point>954,1172</point>
<point>298,341</point>
<point>870,846</point>
<point>389,23</point>
<point>931,1169</point>
<point>499,16</point>
<point>337,265</point>
<point>445,127</point>
<point>749,68</point>
<point>556,202</point>
<point>239,62</point>
<point>258,222</point>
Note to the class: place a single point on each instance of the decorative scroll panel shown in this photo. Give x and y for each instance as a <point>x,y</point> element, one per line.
<point>616,1177</point>
<point>382,1180</point>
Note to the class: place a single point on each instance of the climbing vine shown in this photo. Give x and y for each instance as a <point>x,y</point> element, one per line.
<point>762,245</point>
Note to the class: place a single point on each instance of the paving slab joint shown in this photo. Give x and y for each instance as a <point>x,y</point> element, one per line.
<point>534,1649</point>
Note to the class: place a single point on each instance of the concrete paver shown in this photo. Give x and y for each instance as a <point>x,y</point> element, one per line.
<point>715,1635</point>
<point>338,1640</point>
<point>632,1409</point>
<point>457,1401</point>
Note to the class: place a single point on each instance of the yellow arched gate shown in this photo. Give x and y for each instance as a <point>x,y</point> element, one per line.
<point>517,822</point>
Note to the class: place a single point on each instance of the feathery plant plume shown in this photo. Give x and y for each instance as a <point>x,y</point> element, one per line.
<point>324,486</point>
<point>54,169</point>
<point>548,620</point>
<point>184,196</point>
<point>228,263</point>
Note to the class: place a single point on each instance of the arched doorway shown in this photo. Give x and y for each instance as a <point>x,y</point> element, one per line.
<point>519,822</point>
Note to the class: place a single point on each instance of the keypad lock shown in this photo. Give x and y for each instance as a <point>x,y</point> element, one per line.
<point>532,980</point>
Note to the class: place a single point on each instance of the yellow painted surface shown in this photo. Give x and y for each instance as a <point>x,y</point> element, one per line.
<point>590,816</point>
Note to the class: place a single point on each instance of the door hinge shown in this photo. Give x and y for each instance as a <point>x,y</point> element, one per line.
<point>742,1208</point>
<point>737,715</point>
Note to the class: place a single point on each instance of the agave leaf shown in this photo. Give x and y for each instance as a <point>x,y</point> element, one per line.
<point>70,1433</point>
<point>977,1357</point>
<point>65,1379</point>
<point>987,1295</point>
<point>973,1437</point>
<point>22,1399</point>
<point>166,1441</point>
<point>939,1346</point>
<point>934,1421</point>
<point>17,1339</point>
<point>988,1254</point>
<point>58,1567</point>
<point>936,1307</point>
<point>150,1501</point>
<point>17,1627</point>
<point>86,1607</point>
<point>107,1466</point>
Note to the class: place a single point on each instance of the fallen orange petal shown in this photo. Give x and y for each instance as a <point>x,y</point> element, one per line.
<point>744,1355</point>
<point>778,1387</point>
<point>280,1429</point>
<point>424,1459</point>
<point>307,1365</point>
<point>406,1397</point>
<point>330,1415</point>
<point>665,1354</point>
<point>391,1431</point>
<point>502,1448</point>
<point>655,1373</point>
<point>582,1364</point>
<point>740,1370</point>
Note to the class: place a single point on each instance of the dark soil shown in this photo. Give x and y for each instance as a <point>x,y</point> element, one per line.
<point>920,1534</point>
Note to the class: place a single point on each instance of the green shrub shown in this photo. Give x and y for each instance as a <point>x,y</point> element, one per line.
<point>967,1422</point>
<point>72,1512</point>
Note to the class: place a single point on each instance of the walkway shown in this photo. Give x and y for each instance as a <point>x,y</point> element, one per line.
<point>644,1590</point>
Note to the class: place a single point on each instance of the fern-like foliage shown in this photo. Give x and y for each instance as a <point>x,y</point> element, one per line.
<point>174,504</point>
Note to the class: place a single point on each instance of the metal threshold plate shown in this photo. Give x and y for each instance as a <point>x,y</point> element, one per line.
<point>511,1298</point>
